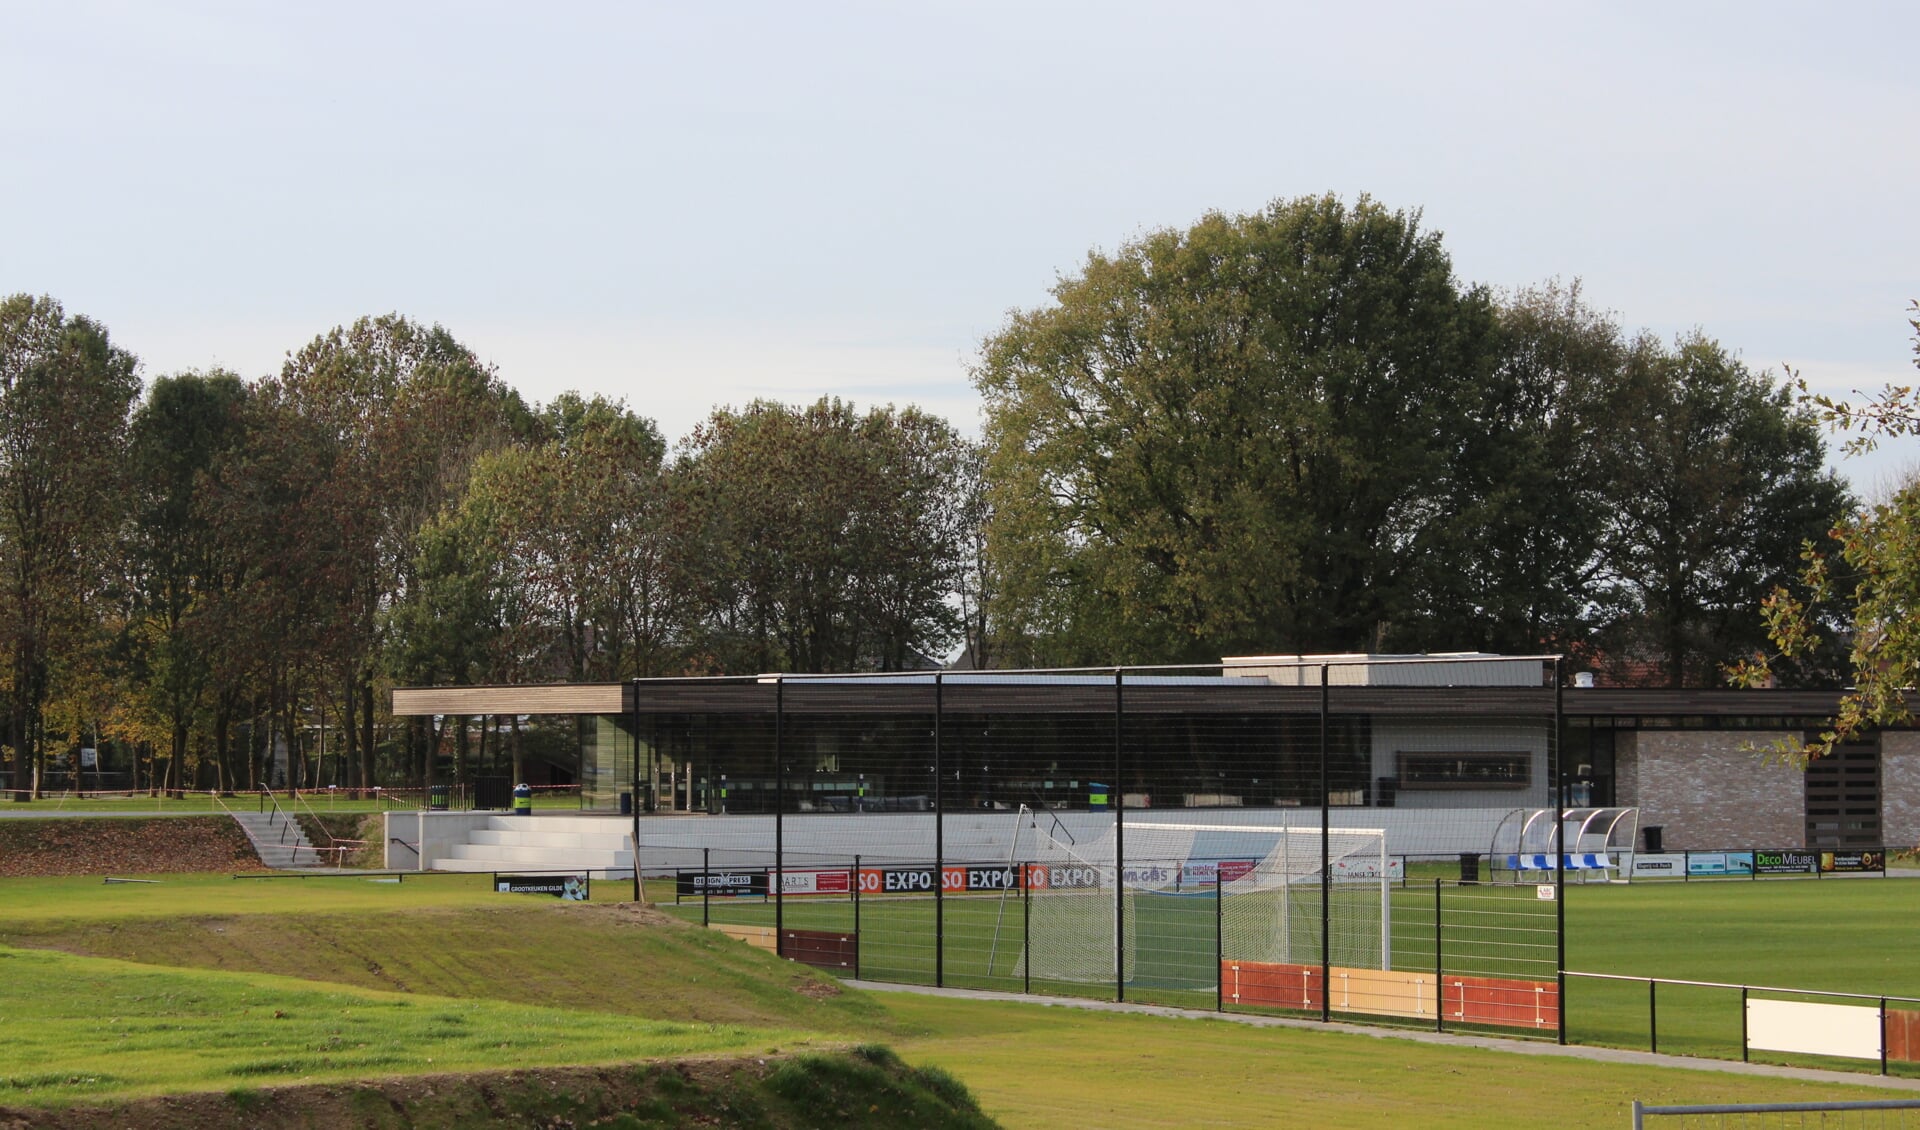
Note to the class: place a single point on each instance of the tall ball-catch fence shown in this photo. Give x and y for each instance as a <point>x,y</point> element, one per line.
<point>1271,834</point>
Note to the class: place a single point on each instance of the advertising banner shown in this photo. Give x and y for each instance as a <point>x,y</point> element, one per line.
<point>1209,873</point>
<point>570,887</point>
<point>1665,865</point>
<point>1845,861</point>
<point>1063,877</point>
<point>1784,862</point>
<point>836,882</point>
<point>974,877</point>
<point>896,880</point>
<point>1357,869</point>
<point>1720,863</point>
<point>1846,1030</point>
<point>721,883</point>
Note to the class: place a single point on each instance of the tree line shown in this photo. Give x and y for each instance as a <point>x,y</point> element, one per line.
<point>1289,431</point>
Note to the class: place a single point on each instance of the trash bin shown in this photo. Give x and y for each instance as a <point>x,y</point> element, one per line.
<point>522,800</point>
<point>1656,837</point>
<point>437,798</point>
<point>1469,868</point>
<point>626,804</point>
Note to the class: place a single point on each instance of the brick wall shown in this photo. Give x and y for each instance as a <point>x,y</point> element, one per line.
<point>1900,788</point>
<point>1708,792</point>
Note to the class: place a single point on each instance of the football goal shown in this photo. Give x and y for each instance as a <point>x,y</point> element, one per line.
<point>1184,897</point>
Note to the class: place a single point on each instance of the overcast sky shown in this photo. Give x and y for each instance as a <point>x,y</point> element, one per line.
<point>693,205</point>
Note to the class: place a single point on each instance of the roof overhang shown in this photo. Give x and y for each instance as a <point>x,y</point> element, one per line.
<point>566,698</point>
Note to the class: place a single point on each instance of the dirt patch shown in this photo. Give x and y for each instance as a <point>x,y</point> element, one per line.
<point>120,845</point>
<point>358,833</point>
<point>865,1087</point>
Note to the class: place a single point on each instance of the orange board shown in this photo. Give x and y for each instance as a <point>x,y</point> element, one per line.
<point>1505,1002</point>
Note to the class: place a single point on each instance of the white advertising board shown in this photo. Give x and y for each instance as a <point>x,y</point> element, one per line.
<point>1671,865</point>
<point>1848,1030</point>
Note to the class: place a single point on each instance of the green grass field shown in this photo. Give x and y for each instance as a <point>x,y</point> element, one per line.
<point>1852,936</point>
<point>135,989</point>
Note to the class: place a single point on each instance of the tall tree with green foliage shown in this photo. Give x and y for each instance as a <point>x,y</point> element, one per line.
<point>1509,561</point>
<point>1232,437</point>
<point>65,390</point>
<point>820,538</point>
<point>1717,478</point>
<point>189,425</point>
<point>402,410</point>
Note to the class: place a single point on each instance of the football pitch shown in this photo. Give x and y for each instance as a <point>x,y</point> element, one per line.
<point>1833,935</point>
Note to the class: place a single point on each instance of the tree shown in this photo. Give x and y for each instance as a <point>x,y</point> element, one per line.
<point>65,389</point>
<point>821,539</point>
<point>189,425</point>
<point>1876,577</point>
<point>1509,562</point>
<point>402,410</point>
<point>1716,479</point>
<point>1231,437</point>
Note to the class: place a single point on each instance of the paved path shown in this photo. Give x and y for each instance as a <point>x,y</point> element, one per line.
<point>1449,1039</point>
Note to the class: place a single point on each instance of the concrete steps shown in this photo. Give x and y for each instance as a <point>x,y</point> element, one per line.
<point>278,840</point>
<point>541,843</point>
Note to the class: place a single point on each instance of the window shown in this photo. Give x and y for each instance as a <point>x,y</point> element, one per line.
<point>1465,770</point>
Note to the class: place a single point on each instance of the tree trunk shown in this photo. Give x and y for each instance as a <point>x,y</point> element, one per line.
<point>366,731</point>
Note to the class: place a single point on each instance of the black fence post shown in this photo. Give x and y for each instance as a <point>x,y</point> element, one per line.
<point>778,878</point>
<point>1026,932</point>
<point>1326,858</point>
<point>706,886</point>
<point>1653,1016</point>
<point>1219,939</point>
<point>939,842</point>
<point>856,918</point>
<point>1743,1025</point>
<point>1560,842</point>
<point>1883,1035</point>
<point>1118,798</point>
<point>633,727</point>
<point>1439,976</point>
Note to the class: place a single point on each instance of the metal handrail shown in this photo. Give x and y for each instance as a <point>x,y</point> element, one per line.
<point>1641,1110</point>
<point>1743,988</point>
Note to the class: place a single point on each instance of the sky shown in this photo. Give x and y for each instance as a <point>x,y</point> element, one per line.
<point>686,206</point>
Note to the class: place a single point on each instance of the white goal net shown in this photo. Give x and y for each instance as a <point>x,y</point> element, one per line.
<point>1186,896</point>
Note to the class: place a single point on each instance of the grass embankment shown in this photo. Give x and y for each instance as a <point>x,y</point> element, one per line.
<point>865,1087</point>
<point>80,1027</point>
<point>463,951</point>
<point>446,936</point>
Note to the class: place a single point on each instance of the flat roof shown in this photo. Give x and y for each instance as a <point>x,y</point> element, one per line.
<point>980,692</point>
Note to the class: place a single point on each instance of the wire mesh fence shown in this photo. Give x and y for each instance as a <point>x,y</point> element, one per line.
<point>1319,837</point>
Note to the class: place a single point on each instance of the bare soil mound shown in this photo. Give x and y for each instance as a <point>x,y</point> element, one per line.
<point>123,845</point>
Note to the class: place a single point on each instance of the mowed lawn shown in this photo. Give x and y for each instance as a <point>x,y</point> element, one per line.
<point>506,981</point>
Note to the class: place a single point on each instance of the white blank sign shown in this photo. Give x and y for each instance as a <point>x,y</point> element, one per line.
<point>1846,1030</point>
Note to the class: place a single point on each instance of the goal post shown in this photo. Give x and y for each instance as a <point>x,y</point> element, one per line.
<point>1189,895</point>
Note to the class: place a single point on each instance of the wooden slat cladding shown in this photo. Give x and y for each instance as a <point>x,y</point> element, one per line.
<point>573,698</point>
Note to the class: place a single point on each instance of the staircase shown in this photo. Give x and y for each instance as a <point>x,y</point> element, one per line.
<point>278,839</point>
<point>543,843</point>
